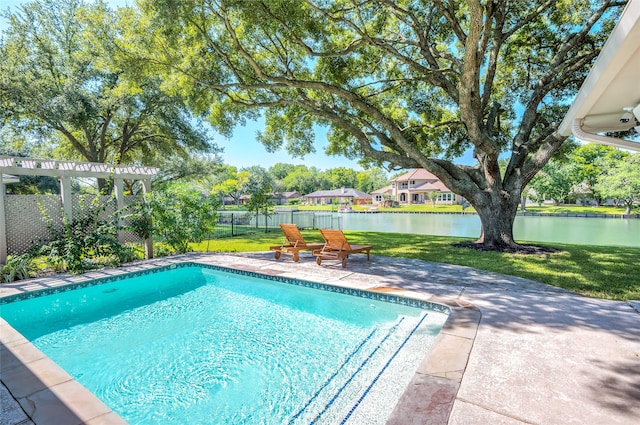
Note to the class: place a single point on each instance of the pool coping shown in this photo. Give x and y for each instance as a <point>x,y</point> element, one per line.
<point>49,395</point>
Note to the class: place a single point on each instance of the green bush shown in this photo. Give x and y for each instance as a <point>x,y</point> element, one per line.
<point>161,249</point>
<point>180,216</point>
<point>18,267</point>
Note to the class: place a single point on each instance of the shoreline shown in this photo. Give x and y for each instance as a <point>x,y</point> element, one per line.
<point>519,213</point>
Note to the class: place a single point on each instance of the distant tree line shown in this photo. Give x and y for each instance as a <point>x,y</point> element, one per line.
<point>281,177</point>
<point>590,174</point>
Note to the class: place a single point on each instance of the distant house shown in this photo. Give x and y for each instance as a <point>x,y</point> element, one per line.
<point>383,194</point>
<point>286,197</point>
<point>276,198</point>
<point>416,187</point>
<point>244,199</point>
<point>340,196</point>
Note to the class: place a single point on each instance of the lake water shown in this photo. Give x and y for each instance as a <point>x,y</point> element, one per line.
<point>572,230</point>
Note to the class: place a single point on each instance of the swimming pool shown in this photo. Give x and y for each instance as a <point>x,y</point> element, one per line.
<point>229,346</point>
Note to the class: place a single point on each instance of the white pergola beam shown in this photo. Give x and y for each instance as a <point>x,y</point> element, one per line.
<point>118,189</point>
<point>52,168</point>
<point>148,243</point>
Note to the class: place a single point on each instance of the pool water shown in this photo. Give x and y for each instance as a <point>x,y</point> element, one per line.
<point>194,345</point>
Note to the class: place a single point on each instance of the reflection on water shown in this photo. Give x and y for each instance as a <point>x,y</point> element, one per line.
<point>573,230</point>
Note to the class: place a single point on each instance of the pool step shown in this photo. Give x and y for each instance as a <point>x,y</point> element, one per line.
<point>337,397</point>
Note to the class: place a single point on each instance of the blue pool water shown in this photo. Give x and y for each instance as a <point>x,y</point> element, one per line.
<point>194,345</point>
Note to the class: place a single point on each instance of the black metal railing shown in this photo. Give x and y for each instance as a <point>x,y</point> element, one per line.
<point>236,223</point>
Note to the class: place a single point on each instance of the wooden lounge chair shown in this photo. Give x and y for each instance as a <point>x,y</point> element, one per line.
<point>293,243</point>
<point>337,247</point>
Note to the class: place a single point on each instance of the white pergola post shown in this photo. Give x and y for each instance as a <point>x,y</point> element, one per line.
<point>67,201</point>
<point>3,224</point>
<point>148,243</point>
<point>118,188</point>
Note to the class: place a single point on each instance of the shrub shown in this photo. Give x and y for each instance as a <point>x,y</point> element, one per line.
<point>161,249</point>
<point>18,267</point>
<point>180,216</point>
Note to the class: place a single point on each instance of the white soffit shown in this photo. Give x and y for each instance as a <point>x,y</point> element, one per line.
<point>613,83</point>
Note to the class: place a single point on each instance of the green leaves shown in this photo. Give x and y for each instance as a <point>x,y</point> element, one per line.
<point>621,182</point>
<point>17,267</point>
<point>182,216</point>
<point>72,72</point>
<point>88,242</point>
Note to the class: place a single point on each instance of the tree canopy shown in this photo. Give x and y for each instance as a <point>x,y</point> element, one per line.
<point>621,181</point>
<point>400,83</point>
<point>592,161</point>
<point>64,81</point>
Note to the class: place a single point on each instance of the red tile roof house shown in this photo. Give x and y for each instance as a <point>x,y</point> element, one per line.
<point>416,187</point>
<point>383,196</point>
<point>340,196</point>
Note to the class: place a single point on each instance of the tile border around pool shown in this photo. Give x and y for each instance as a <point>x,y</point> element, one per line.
<point>377,296</point>
<point>428,398</point>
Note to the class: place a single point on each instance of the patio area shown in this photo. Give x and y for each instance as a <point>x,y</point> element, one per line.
<point>513,352</point>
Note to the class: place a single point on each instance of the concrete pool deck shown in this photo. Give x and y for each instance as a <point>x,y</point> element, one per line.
<point>516,351</point>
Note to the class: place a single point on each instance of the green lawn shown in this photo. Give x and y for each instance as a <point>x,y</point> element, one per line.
<point>577,209</point>
<point>594,271</point>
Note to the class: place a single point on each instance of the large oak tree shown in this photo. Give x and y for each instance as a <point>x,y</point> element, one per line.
<point>64,80</point>
<point>404,83</point>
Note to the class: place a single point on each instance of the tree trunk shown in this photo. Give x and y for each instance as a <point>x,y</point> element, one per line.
<point>102,183</point>
<point>497,223</point>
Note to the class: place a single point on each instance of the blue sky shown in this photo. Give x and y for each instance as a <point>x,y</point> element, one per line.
<point>242,149</point>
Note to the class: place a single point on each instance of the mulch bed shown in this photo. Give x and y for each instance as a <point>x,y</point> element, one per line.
<point>519,249</point>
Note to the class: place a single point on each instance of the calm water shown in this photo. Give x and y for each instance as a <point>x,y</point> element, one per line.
<point>199,346</point>
<point>573,230</point>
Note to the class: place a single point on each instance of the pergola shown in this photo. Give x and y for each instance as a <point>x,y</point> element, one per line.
<point>65,171</point>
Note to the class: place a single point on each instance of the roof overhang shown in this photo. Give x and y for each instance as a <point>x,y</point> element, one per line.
<point>609,99</point>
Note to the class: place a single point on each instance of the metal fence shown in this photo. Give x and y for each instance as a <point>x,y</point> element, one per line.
<point>236,223</point>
